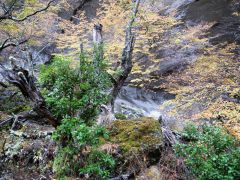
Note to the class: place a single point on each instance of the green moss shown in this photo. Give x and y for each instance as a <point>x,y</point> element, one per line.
<point>19,108</point>
<point>136,135</point>
<point>120,116</point>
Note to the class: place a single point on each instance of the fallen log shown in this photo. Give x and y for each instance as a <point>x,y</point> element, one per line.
<point>21,117</point>
<point>6,122</point>
<point>170,137</point>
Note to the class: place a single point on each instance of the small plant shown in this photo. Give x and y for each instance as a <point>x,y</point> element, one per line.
<point>99,163</point>
<point>120,116</point>
<point>211,153</point>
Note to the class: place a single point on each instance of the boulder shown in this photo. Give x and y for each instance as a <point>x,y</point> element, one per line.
<point>139,141</point>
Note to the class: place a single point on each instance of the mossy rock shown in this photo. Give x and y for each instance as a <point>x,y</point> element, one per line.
<point>19,108</point>
<point>138,134</point>
<point>140,143</point>
<point>120,116</point>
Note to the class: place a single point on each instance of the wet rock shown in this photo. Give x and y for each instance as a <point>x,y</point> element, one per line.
<point>74,5</point>
<point>136,102</point>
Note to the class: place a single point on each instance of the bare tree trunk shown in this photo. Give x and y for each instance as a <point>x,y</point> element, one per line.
<point>21,78</point>
<point>97,34</point>
<point>126,60</point>
<point>98,47</point>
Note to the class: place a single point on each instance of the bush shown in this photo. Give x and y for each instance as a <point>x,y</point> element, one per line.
<point>211,153</point>
<point>74,94</point>
<point>72,91</point>
<point>100,164</point>
<point>80,154</point>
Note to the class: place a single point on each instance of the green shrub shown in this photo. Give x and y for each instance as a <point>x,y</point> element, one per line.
<point>80,90</point>
<point>99,163</point>
<point>74,94</point>
<point>79,154</point>
<point>211,154</point>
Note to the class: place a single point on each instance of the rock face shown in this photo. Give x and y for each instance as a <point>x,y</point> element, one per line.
<point>74,6</point>
<point>140,142</point>
<point>189,57</point>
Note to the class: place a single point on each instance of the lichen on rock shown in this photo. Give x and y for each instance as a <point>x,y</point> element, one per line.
<point>138,134</point>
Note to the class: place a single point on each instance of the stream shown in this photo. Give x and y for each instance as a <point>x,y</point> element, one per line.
<point>136,102</point>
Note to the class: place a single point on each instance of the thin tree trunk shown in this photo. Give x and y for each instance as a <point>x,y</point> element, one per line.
<point>98,47</point>
<point>126,60</point>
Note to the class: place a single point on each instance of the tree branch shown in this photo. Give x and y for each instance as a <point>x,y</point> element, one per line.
<point>36,12</point>
<point>8,13</point>
<point>7,44</point>
<point>3,85</point>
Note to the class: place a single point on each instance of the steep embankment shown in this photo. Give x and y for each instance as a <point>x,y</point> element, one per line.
<point>208,88</point>
<point>186,68</point>
<point>188,48</point>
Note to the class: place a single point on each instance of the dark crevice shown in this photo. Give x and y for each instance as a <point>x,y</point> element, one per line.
<point>78,8</point>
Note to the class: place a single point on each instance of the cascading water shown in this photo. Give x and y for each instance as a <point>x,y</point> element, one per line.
<point>136,102</point>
